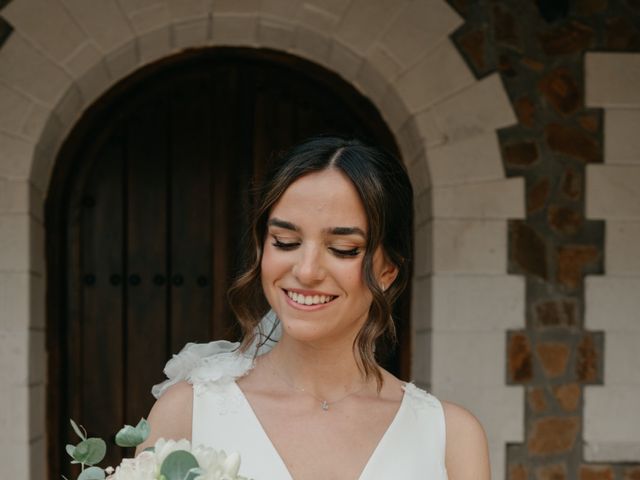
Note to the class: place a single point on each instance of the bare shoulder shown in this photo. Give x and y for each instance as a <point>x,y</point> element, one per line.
<point>467,454</point>
<point>170,416</point>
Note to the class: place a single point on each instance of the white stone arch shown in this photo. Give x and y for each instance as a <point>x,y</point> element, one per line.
<point>63,54</point>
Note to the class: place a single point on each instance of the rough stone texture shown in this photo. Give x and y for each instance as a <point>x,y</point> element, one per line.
<point>556,471</point>
<point>520,154</point>
<point>553,435</point>
<point>555,313</point>
<point>561,90</point>
<point>573,142</point>
<point>573,261</point>
<point>568,396</point>
<point>537,400</point>
<point>592,472</point>
<point>542,65</point>
<point>528,250</point>
<point>553,357</point>
<point>632,473</point>
<point>519,358</point>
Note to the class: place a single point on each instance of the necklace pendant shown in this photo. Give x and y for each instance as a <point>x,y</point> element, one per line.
<point>324,405</point>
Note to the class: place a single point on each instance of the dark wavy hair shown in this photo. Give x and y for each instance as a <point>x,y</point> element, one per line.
<point>384,188</point>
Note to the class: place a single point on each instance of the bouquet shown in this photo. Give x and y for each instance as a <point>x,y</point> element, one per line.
<point>166,460</point>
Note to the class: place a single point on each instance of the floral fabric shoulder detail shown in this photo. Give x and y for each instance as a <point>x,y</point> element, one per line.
<point>212,363</point>
<point>420,398</point>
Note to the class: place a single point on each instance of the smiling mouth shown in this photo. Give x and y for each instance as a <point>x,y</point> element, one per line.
<point>309,299</point>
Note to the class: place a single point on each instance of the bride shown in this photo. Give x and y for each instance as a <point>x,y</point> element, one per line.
<point>302,396</point>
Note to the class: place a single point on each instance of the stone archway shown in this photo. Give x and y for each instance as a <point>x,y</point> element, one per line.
<point>63,55</point>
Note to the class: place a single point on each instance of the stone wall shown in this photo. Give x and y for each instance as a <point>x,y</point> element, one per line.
<point>575,356</point>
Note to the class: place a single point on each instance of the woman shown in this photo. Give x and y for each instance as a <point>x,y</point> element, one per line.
<point>331,247</point>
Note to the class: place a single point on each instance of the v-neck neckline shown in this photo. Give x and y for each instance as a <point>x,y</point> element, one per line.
<point>281,461</point>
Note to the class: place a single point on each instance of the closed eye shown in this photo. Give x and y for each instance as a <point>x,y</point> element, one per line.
<point>284,245</point>
<point>345,253</point>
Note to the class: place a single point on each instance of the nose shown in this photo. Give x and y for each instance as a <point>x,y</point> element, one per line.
<point>308,267</point>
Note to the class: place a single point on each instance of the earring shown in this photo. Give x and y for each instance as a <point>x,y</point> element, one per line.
<point>383,287</point>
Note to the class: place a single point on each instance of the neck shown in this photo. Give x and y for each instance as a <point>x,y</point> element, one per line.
<point>324,372</point>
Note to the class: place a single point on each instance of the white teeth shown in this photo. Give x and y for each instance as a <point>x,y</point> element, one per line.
<point>310,299</point>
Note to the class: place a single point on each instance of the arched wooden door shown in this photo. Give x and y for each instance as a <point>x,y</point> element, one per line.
<point>146,214</point>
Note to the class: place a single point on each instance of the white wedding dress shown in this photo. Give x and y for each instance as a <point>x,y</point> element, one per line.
<point>412,448</point>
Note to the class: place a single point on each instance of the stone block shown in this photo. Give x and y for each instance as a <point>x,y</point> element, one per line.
<point>621,139</point>
<point>283,10</point>
<point>478,303</point>
<point>235,7</point>
<point>15,196</point>
<point>470,246</point>
<point>612,192</point>
<point>94,82</point>
<point>481,108</point>
<point>421,304</point>
<point>436,76</point>
<point>316,16</point>
<point>39,460</point>
<point>70,107</point>
<point>393,109</point>
<point>418,26</point>
<point>495,199</point>
<point>275,34</point>
<point>14,358</point>
<point>612,79</point>
<point>612,303</point>
<point>48,25</point>
<point>36,122</point>
<point>123,61</point>
<point>423,249</point>
<point>240,30</point>
<point>422,208</point>
<point>103,20</point>
<point>83,59</point>
<point>373,84</point>
<point>468,358</point>
<point>14,454</point>
<point>154,45</point>
<point>17,154</point>
<point>15,243</point>
<point>421,358</point>
<point>429,129</point>
<point>622,248</point>
<point>15,109</point>
<point>15,301</point>
<point>500,409</point>
<point>344,61</point>
<point>151,18</point>
<point>621,362</point>
<point>312,44</point>
<point>611,423</point>
<point>364,20</point>
<point>475,159</point>
<point>412,149</point>
<point>14,413</point>
<point>27,70</point>
<point>384,62</point>
<point>188,9</point>
<point>191,33</point>
<point>419,175</point>
<point>553,435</point>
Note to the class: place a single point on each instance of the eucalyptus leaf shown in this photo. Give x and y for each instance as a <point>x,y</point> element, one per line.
<point>178,464</point>
<point>70,448</point>
<point>90,451</point>
<point>82,435</point>
<point>129,436</point>
<point>92,473</point>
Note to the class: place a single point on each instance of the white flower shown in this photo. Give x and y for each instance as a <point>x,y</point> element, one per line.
<point>164,447</point>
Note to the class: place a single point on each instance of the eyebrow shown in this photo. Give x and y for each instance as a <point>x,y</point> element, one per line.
<point>276,222</point>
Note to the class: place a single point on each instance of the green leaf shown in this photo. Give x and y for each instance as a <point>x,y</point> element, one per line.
<point>129,436</point>
<point>82,435</point>
<point>70,448</point>
<point>90,451</point>
<point>92,473</point>
<point>178,464</point>
<point>194,473</point>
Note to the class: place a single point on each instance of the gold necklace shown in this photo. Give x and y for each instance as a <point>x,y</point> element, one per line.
<point>324,404</point>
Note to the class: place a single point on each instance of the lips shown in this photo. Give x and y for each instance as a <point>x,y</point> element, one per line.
<point>309,298</point>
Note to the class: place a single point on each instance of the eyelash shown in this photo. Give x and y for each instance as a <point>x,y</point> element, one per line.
<point>353,252</point>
